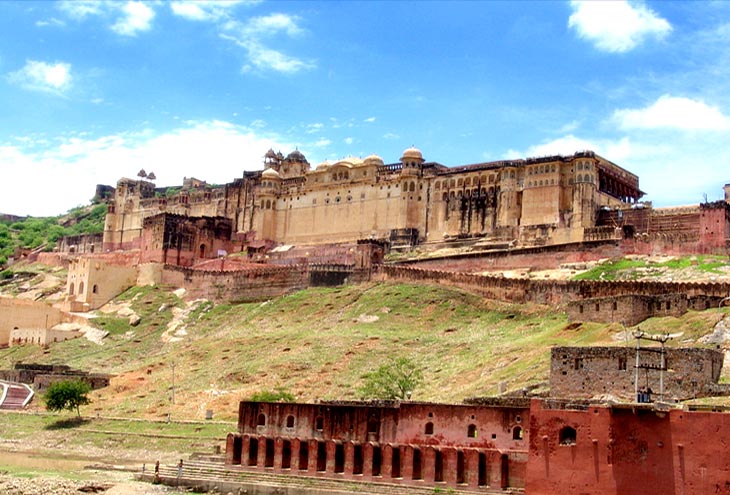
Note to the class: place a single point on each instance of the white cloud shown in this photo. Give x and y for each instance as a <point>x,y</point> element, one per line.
<point>616,26</point>
<point>348,140</point>
<point>130,17</point>
<point>321,143</point>
<point>370,119</point>
<point>250,35</point>
<point>79,9</point>
<point>673,169</point>
<point>69,170</point>
<point>268,58</point>
<point>41,76</point>
<point>50,22</point>
<point>672,112</point>
<point>391,135</point>
<point>203,10</point>
<point>313,128</point>
<point>137,16</point>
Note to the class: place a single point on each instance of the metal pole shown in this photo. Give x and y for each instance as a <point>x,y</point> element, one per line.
<point>173,382</point>
<point>661,373</point>
<point>636,366</point>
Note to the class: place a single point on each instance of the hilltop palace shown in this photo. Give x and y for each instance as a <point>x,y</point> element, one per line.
<point>536,201</point>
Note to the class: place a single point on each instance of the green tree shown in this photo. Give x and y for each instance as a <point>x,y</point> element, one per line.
<point>67,394</point>
<point>396,379</point>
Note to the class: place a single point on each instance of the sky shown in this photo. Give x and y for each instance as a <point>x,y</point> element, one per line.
<point>93,91</point>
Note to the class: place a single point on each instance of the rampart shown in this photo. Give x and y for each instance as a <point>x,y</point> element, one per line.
<point>253,284</point>
<point>553,292</point>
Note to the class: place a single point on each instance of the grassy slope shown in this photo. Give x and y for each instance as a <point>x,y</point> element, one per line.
<point>315,345</point>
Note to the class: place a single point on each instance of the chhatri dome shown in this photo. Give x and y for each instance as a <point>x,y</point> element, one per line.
<point>412,154</point>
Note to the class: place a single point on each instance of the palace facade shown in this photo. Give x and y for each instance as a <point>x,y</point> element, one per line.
<point>530,202</point>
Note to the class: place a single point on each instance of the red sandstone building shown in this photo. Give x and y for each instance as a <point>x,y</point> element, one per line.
<point>538,446</point>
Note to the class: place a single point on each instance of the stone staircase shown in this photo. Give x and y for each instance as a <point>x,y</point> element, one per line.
<point>14,396</point>
<point>205,475</point>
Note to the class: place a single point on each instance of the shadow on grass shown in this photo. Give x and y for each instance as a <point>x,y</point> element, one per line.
<point>65,424</point>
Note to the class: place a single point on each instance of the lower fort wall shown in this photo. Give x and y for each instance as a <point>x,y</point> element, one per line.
<point>244,285</point>
<point>626,451</point>
<point>566,447</point>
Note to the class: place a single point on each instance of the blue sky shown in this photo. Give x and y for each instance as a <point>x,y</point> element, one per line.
<point>94,91</point>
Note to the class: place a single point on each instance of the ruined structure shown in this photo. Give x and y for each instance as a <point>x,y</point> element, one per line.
<point>675,373</point>
<point>628,309</point>
<point>40,376</point>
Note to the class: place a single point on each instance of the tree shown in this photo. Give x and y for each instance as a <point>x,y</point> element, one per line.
<point>396,379</point>
<point>67,394</point>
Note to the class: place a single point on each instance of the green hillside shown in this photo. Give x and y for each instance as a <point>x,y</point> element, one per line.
<point>318,344</point>
<point>32,233</point>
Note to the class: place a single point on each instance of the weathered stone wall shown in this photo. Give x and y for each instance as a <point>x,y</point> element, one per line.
<point>81,244</point>
<point>24,314</point>
<point>252,284</point>
<point>592,371</point>
<point>42,375</point>
<point>40,336</point>
<point>94,281</point>
<point>628,309</point>
<point>548,291</point>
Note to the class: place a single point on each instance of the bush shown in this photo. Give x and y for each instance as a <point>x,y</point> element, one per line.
<point>279,395</point>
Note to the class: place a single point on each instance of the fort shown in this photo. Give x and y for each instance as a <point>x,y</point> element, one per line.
<point>292,226</point>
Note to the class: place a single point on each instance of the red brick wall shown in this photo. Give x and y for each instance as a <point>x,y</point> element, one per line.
<point>627,451</point>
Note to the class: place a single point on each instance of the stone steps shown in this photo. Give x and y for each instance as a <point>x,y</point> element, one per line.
<point>13,395</point>
<point>196,472</point>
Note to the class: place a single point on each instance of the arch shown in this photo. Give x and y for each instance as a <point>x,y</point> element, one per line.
<point>71,289</point>
<point>290,421</point>
<point>81,287</point>
<point>568,435</point>
<point>372,425</point>
<point>261,420</point>
<point>517,433</point>
<point>268,204</point>
<point>202,250</point>
<point>428,430</point>
<point>319,423</point>
<point>471,431</point>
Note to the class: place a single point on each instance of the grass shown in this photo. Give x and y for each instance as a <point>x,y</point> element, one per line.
<point>631,269</point>
<point>319,343</point>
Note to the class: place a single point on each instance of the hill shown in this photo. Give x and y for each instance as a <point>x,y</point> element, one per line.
<point>318,344</point>
<point>18,234</point>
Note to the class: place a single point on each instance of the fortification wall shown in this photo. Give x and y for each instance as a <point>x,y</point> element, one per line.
<point>25,314</point>
<point>627,451</point>
<point>547,291</point>
<point>630,309</point>
<point>244,285</point>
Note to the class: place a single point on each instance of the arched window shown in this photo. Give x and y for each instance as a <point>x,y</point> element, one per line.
<point>290,421</point>
<point>517,433</point>
<point>71,289</point>
<point>319,423</point>
<point>81,288</point>
<point>261,420</point>
<point>372,425</point>
<point>568,435</point>
<point>429,429</point>
<point>471,432</point>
